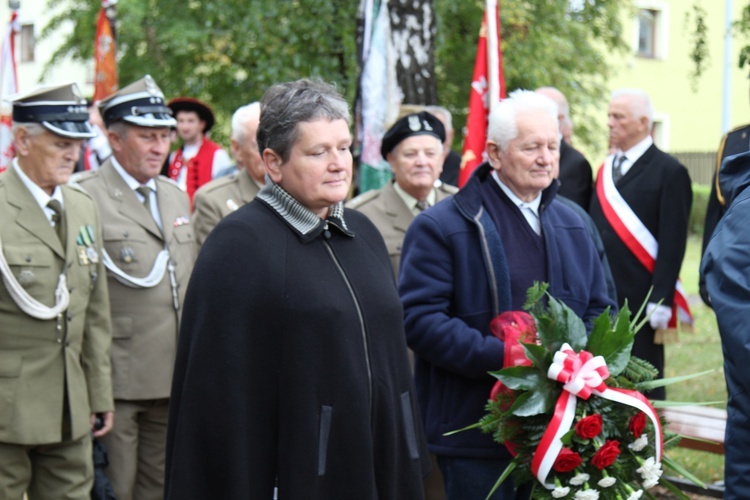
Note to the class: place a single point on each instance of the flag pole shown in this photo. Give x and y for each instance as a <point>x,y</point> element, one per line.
<point>487,88</point>
<point>8,85</point>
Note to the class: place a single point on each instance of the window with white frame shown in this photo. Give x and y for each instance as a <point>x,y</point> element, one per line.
<point>650,29</point>
<point>647,32</point>
<point>27,42</point>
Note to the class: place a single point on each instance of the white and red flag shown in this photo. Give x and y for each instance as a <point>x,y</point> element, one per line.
<point>487,88</point>
<point>8,87</point>
<point>105,73</point>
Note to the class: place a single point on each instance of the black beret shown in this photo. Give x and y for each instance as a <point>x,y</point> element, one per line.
<point>414,124</point>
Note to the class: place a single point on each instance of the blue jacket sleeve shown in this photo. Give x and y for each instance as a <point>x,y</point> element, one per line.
<point>447,305</point>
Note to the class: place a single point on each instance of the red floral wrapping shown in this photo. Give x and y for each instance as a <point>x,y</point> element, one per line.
<point>513,327</point>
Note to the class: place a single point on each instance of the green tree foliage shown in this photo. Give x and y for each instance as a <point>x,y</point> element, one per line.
<point>229,52</point>
<point>559,43</point>
<point>695,25</point>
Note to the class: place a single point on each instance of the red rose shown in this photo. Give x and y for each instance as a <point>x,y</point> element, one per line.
<point>567,460</point>
<point>606,455</point>
<point>637,424</point>
<point>589,427</point>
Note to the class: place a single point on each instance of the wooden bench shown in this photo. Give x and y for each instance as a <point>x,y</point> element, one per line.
<point>701,427</point>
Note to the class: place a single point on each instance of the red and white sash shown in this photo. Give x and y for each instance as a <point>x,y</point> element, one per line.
<point>636,236</point>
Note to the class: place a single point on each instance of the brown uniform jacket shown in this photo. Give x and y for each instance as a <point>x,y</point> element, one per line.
<point>219,198</point>
<point>387,210</point>
<point>144,320</point>
<point>37,358</point>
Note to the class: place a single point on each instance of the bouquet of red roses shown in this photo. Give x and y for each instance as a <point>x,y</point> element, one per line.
<point>569,406</point>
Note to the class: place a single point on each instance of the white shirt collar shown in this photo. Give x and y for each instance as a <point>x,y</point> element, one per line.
<point>533,204</point>
<point>41,197</point>
<point>129,179</point>
<point>633,154</point>
<point>529,210</point>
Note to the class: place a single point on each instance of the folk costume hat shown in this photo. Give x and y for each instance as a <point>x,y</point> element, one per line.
<point>141,103</point>
<point>422,123</point>
<point>205,113</point>
<point>61,109</point>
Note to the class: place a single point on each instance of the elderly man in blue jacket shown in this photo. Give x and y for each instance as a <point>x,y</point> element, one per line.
<point>725,267</point>
<point>472,257</point>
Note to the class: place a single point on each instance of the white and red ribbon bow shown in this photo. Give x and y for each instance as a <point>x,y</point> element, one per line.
<point>582,374</point>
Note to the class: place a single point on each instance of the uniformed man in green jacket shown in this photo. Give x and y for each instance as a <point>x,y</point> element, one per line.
<point>54,307</point>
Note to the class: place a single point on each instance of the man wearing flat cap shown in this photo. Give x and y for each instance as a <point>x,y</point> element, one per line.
<point>149,250</point>
<point>413,147</point>
<point>198,160</point>
<point>55,330</point>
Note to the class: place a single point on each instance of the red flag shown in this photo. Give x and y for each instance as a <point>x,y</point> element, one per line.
<point>8,87</point>
<point>105,81</point>
<point>487,88</point>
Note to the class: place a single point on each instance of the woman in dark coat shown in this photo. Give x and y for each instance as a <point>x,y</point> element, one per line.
<point>291,369</point>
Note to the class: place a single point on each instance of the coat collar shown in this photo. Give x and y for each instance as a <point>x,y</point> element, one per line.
<point>395,207</point>
<point>469,198</point>
<point>127,202</point>
<point>30,215</point>
<point>638,168</point>
<point>303,221</point>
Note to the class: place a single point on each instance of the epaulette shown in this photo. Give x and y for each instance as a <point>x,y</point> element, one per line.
<point>73,184</point>
<point>219,183</point>
<point>167,180</point>
<point>363,198</point>
<point>720,157</point>
<point>80,176</point>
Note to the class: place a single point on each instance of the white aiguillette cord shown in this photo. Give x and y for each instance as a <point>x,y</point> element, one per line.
<point>150,281</point>
<point>26,302</point>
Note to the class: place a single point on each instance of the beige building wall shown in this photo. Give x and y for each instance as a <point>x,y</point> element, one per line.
<point>688,120</point>
<point>34,16</point>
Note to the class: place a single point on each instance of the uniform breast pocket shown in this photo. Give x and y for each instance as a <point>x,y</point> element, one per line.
<point>127,247</point>
<point>35,269</point>
<point>184,234</point>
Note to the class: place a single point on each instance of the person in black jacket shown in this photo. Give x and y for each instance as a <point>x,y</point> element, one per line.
<point>292,367</point>
<point>656,196</point>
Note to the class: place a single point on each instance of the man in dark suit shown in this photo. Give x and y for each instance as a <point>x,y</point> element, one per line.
<point>732,143</point>
<point>576,179</point>
<point>649,193</point>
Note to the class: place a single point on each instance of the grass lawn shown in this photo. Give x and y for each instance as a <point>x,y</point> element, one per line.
<point>694,353</point>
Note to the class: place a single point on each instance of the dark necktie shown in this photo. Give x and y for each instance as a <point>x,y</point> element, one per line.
<point>145,191</point>
<point>58,217</point>
<point>617,168</point>
<point>423,205</point>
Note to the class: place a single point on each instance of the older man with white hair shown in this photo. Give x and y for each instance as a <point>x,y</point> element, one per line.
<point>641,207</point>
<point>474,256</point>
<point>224,195</point>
